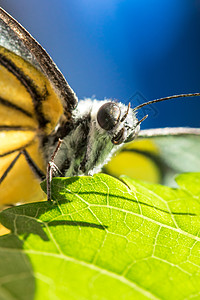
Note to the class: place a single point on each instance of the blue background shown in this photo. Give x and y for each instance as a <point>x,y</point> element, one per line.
<point>119,48</point>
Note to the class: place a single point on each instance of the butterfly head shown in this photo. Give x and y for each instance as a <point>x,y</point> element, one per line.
<point>119,121</point>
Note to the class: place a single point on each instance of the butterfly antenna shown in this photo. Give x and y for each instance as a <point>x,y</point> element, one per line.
<point>166,98</point>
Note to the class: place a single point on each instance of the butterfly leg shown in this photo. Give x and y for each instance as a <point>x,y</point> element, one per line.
<point>50,168</point>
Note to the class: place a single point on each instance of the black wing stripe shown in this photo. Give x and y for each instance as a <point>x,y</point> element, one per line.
<point>15,107</point>
<point>16,150</point>
<point>15,128</point>
<point>37,98</point>
<point>36,170</point>
<point>9,167</point>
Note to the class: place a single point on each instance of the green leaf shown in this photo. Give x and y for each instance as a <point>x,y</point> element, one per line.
<point>104,240</point>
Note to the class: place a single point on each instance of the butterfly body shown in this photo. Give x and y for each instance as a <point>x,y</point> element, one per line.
<point>86,147</point>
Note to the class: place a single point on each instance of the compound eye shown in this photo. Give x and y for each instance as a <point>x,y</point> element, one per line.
<point>108,115</point>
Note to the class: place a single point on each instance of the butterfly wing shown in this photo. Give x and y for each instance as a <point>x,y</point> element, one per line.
<point>158,156</point>
<point>15,38</point>
<point>29,110</point>
<point>33,97</point>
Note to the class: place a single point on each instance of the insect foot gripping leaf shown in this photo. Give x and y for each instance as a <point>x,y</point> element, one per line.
<point>105,240</point>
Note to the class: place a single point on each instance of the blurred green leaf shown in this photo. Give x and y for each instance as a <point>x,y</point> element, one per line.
<point>104,240</point>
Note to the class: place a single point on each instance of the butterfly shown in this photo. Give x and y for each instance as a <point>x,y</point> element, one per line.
<point>44,129</point>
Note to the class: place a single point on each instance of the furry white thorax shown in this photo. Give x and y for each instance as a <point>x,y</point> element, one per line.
<point>96,146</point>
